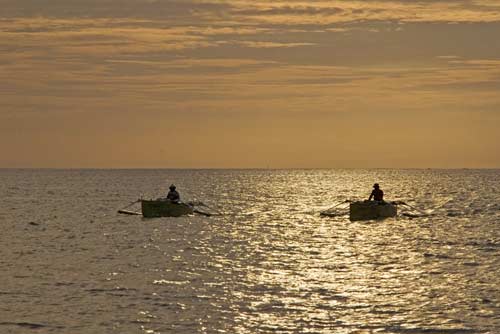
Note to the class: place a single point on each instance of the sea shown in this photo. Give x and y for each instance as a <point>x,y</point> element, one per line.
<point>267,261</point>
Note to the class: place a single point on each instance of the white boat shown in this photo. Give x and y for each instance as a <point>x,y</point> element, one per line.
<point>367,210</point>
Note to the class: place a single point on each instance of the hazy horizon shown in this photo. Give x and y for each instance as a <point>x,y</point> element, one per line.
<point>249,84</point>
<point>245,168</point>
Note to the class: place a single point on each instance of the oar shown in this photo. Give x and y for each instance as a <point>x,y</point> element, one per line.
<point>206,214</point>
<point>336,205</point>
<point>127,212</point>
<point>411,207</point>
<point>200,203</point>
<point>210,208</point>
<point>191,204</point>
<point>327,212</point>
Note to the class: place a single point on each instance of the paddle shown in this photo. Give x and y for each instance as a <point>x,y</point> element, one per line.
<point>327,212</point>
<point>336,205</point>
<point>127,212</point>
<point>206,214</point>
<point>199,203</point>
<point>411,207</point>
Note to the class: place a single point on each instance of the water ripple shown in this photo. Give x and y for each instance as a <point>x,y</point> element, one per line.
<point>270,263</point>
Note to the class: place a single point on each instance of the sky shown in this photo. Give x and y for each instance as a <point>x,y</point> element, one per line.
<point>249,84</point>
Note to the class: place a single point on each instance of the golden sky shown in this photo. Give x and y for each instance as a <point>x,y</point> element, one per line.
<point>249,83</point>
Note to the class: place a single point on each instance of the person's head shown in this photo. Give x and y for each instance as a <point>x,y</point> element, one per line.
<point>376,186</point>
<point>172,187</point>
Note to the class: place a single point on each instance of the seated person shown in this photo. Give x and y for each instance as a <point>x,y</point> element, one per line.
<point>173,195</point>
<point>377,194</point>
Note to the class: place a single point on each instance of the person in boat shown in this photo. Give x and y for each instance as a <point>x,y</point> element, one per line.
<point>377,194</point>
<point>173,196</point>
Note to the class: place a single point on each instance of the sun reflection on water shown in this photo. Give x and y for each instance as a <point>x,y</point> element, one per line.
<point>270,263</point>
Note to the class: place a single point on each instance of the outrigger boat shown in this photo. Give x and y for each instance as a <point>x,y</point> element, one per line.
<point>154,208</point>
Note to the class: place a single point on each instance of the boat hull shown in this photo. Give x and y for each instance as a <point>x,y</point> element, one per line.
<point>162,208</point>
<point>368,210</point>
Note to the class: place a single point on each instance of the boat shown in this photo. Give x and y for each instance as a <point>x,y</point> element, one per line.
<point>165,208</point>
<point>367,210</point>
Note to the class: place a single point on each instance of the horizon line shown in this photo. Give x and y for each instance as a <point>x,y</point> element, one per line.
<point>246,168</point>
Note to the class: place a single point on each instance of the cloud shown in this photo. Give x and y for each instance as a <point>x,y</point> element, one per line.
<point>338,29</point>
<point>101,37</point>
<point>326,12</point>
<point>448,57</point>
<point>184,63</point>
<point>242,50</point>
<point>490,63</point>
<point>470,86</point>
<point>269,45</point>
<point>173,10</point>
<point>283,12</point>
<point>289,10</point>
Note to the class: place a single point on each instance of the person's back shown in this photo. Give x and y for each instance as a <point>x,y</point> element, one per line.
<point>377,193</point>
<point>173,195</point>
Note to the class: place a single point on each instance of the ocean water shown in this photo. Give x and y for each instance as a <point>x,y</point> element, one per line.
<point>269,263</point>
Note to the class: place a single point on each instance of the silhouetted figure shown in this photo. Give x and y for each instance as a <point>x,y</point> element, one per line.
<point>173,195</point>
<point>377,193</point>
